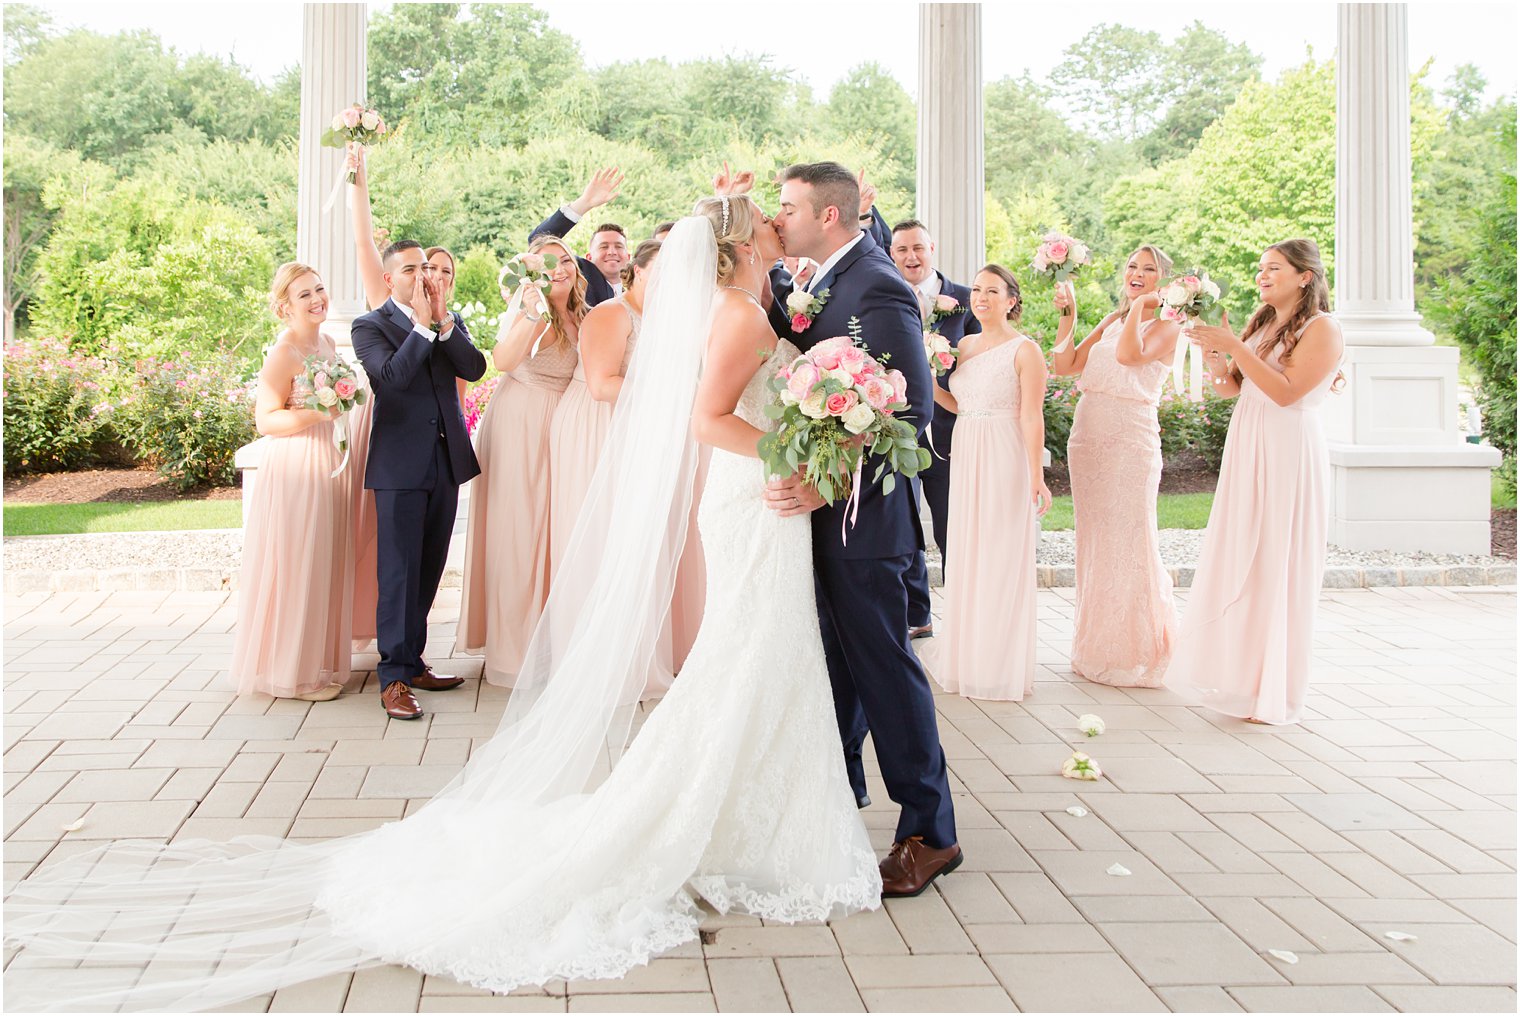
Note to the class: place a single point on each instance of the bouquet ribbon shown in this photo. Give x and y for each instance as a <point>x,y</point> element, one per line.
<point>333,194</point>
<point>513,306</point>
<point>1194,369</point>
<point>852,503</point>
<point>340,440</point>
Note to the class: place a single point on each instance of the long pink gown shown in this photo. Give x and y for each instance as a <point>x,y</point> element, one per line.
<point>506,571</point>
<point>1126,622</point>
<point>580,429</point>
<point>366,537</point>
<point>1248,633</point>
<point>295,589</point>
<point>986,645</point>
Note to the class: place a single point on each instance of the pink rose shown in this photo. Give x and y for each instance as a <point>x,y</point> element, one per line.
<point>899,385</point>
<point>321,380</point>
<point>840,403</point>
<point>877,392</point>
<point>351,117</point>
<point>836,345</point>
<point>1192,283</point>
<point>803,378</point>
<point>826,359</point>
<point>801,323</point>
<point>945,302</point>
<point>1040,264</point>
<point>1057,251</point>
<point>345,387</point>
<point>852,359</point>
<point>945,360</point>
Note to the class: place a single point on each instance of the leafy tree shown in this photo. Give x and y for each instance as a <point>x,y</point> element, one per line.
<point>25,27</point>
<point>30,165</point>
<point>1201,73</point>
<point>868,103</point>
<point>1112,75</point>
<point>256,179</point>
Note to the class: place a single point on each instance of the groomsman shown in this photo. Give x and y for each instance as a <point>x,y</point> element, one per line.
<point>945,308</point>
<point>609,244</point>
<point>413,351</point>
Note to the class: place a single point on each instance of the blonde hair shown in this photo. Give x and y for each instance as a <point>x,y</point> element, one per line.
<point>733,223</point>
<point>285,276</point>
<point>575,304</point>
<point>1163,269</point>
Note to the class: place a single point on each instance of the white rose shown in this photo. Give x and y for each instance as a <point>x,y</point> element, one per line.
<point>370,120</point>
<point>841,375</point>
<point>1176,294</point>
<point>1080,767</point>
<point>1211,287</point>
<point>797,302</point>
<point>1090,724</point>
<point>337,123</point>
<point>787,398</point>
<point>812,406</point>
<point>327,397</point>
<point>858,418</point>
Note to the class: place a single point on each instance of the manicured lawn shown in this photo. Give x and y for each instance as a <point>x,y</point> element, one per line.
<point>117,517</point>
<point>1173,511</point>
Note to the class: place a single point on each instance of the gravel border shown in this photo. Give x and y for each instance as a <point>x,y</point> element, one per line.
<point>209,559</point>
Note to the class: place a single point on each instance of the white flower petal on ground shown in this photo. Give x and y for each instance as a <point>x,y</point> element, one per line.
<point>1283,954</point>
<point>74,826</point>
<point>1077,811</point>
<point>1091,724</point>
<point>1401,936</point>
<point>1118,869</point>
<point>1080,767</point>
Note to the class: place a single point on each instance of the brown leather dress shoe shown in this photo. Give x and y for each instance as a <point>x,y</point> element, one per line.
<point>399,701</point>
<point>913,864</point>
<point>429,681</point>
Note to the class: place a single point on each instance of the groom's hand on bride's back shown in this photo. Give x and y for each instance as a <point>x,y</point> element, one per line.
<point>790,495</point>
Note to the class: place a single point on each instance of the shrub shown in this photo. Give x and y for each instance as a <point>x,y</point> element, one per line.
<point>1178,418</point>
<point>187,418</point>
<point>476,400</point>
<point>1060,407</point>
<point>1211,424</point>
<point>58,407</point>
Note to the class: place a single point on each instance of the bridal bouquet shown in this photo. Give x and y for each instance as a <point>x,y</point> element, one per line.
<point>522,271</point>
<point>834,405</point>
<point>1191,296</point>
<point>940,353</point>
<point>335,383</point>
<point>355,124</point>
<point>1059,256</point>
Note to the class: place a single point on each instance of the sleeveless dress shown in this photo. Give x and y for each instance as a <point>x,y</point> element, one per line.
<point>576,437</point>
<point>1125,620</point>
<point>1248,633</point>
<point>987,644</point>
<point>295,588</point>
<point>366,536</point>
<point>506,571</point>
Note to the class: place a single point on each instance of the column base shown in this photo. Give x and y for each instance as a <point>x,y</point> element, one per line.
<point>247,462</point>
<point>1411,497</point>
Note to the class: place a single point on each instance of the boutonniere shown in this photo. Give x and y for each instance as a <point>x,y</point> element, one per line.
<point>944,306</point>
<point>804,307</point>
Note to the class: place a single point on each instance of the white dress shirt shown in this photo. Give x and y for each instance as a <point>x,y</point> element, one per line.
<point>427,332</point>
<point>833,260</point>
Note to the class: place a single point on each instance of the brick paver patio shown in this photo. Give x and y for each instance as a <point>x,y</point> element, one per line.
<point>1391,809</point>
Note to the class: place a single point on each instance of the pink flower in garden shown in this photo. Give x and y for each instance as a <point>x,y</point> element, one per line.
<point>351,117</point>
<point>801,322</point>
<point>840,403</point>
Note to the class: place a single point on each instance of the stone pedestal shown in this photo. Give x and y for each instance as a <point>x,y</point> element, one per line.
<point>951,182</point>
<point>333,46</point>
<point>1403,478</point>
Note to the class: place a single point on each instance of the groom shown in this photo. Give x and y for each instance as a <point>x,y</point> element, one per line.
<point>861,582</point>
<point>413,349</point>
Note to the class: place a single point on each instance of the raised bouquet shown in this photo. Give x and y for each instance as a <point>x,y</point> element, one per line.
<point>1059,256</point>
<point>834,405</point>
<point>1189,296</point>
<point>355,125</point>
<point>521,272</point>
<point>940,353</point>
<point>335,383</point>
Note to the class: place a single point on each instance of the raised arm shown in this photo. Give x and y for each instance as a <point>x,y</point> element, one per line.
<point>1068,359</point>
<point>603,186</point>
<point>1143,339</point>
<point>270,417</point>
<point>371,272</point>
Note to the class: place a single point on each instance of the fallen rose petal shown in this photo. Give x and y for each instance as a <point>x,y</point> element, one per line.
<point>1283,954</point>
<point>1076,811</point>
<point>1118,869</point>
<point>1091,724</point>
<point>1401,936</point>
<point>75,826</point>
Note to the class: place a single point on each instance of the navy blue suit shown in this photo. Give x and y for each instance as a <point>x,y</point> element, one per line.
<point>935,481</point>
<point>419,454</point>
<point>598,289</point>
<point>860,582</point>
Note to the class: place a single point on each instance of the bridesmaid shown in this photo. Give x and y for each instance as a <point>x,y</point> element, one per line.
<point>997,495</point>
<point>506,571</point>
<point>1125,623</point>
<point>1248,633</point>
<point>296,585</point>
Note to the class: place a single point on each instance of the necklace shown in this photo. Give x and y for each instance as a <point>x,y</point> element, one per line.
<point>753,298</point>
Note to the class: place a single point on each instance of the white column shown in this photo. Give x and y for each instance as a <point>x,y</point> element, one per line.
<point>332,76</point>
<point>1402,476</point>
<point>951,181</point>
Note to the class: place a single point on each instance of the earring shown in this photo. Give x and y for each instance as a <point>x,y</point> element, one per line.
<point>751,258</point>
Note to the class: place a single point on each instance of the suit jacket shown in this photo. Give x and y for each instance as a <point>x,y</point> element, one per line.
<point>415,397</point>
<point>866,285</point>
<point>955,327</point>
<point>598,289</point>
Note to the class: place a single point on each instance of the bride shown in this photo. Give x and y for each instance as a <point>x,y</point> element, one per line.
<point>555,853</point>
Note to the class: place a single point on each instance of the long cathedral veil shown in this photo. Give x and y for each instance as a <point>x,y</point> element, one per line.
<point>193,925</point>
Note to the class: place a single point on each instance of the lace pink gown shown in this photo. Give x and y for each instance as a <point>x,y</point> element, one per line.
<point>1125,623</point>
<point>986,645</point>
<point>506,571</point>
<point>295,589</point>
<point>1248,633</point>
<point>576,437</point>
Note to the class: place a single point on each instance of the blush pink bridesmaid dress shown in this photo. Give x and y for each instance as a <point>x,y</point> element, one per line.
<point>295,587</point>
<point>506,571</point>
<point>366,537</point>
<point>1125,620</point>
<point>1248,633</point>
<point>985,648</point>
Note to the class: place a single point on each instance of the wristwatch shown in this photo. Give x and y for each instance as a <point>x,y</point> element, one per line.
<point>437,326</point>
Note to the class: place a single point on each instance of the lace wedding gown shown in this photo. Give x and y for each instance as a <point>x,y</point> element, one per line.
<point>733,791</point>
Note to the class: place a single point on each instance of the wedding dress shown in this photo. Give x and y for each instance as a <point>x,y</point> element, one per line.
<point>555,854</point>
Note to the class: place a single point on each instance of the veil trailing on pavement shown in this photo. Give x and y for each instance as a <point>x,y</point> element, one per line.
<point>196,924</point>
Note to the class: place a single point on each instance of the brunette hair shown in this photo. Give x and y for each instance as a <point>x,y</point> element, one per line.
<point>1302,254</point>
<point>739,216</point>
<point>1017,311</point>
<point>663,227</point>
<point>610,227</point>
<point>1163,269</point>
<point>397,248</point>
<point>907,224</point>
<point>643,257</point>
<point>575,304</point>
<point>832,185</point>
<point>285,276</point>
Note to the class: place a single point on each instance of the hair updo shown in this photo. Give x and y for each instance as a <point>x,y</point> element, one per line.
<point>740,230</point>
<point>643,257</point>
<point>285,276</point>
<point>1017,310</point>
